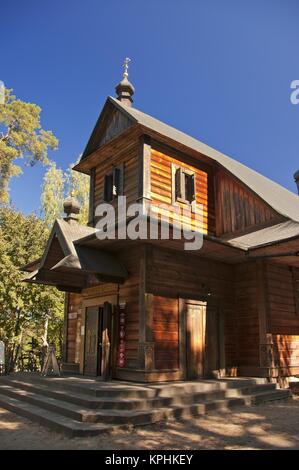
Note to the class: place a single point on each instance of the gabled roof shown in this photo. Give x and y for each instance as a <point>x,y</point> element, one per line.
<point>266,236</point>
<point>107,127</point>
<point>284,202</point>
<point>80,260</point>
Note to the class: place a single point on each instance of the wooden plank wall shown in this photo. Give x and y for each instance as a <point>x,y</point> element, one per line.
<point>161,186</point>
<point>127,154</point>
<point>73,325</point>
<point>247,321</point>
<point>172,274</point>
<point>166,332</point>
<point>116,123</point>
<point>129,293</point>
<point>54,254</point>
<point>284,317</point>
<point>238,208</point>
<point>282,286</point>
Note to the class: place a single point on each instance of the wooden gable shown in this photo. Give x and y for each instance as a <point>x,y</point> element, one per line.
<point>238,208</point>
<point>54,254</point>
<point>110,124</point>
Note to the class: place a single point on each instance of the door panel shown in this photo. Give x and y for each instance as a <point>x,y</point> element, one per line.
<point>105,360</point>
<point>91,341</point>
<point>195,338</point>
<point>97,357</point>
<point>215,346</point>
<point>212,340</point>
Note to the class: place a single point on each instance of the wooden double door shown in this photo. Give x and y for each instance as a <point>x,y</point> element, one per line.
<point>204,340</point>
<point>97,345</point>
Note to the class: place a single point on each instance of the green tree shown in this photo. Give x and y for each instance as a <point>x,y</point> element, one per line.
<point>22,137</point>
<point>24,307</point>
<point>52,197</point>
<point>57,185</point>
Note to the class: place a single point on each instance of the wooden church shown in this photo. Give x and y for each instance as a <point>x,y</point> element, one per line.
<point>148,310</point>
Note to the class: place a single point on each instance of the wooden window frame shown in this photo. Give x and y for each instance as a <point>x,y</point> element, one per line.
<point>183,171</point>
<point>117,190</point>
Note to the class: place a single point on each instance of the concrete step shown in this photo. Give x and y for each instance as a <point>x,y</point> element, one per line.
<point>105,421</point>
<point>58,413</point>
<point>117,389</point>
<point>263,397</point>
<point>55,421</point>
<point>107,402</point>
<point>146,408</point>
<point>250,389</point>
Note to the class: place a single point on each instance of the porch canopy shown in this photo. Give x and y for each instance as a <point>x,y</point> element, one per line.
<point>73,268</point>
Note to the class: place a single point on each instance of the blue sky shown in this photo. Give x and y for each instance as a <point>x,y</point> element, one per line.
<point>218,70</point>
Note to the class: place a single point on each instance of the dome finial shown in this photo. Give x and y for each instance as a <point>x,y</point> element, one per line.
<point>126,67</point>
<point>125,89</point>
<point>71,207</point>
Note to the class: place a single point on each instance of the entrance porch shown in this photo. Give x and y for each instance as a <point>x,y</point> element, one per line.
<point>81,406</point>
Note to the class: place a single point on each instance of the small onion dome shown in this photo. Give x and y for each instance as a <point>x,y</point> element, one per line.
<point>71,207</point>
<point>125,89</point>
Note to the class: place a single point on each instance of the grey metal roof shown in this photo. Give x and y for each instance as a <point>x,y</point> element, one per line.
<point>275,233</point>
<point>93,261</point>
<point>279,198</point>
<point>72,232</point>
<point>77,258</point>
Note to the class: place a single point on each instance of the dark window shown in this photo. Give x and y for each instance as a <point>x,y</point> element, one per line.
<point>184,185</point>
<point>113,184</point>
<point>189,188</point>
<point>108,187</point>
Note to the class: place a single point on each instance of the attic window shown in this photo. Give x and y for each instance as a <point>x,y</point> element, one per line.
<point>183,185</point>
<point>113,184</point>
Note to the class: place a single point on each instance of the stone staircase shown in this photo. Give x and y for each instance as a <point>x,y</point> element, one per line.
<point>80,406</point>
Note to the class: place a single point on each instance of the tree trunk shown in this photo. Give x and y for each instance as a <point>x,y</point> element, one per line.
<point>45,335</point>
<point>5,174</point>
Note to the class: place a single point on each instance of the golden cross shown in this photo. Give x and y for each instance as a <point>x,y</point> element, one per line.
<point>126,66</point>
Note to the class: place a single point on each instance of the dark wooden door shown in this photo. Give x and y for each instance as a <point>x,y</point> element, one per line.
<point>97,356</point>
<point>92,346</point>
<point>215,349</point>
<point>195,312</point>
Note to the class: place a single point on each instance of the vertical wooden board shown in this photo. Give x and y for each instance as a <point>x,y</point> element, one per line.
<point>212,340</point>
<point>246,315</point>
<point>165,332</point>
<point>238,208</point>
<point>91,341</point>
<point>73,312</point>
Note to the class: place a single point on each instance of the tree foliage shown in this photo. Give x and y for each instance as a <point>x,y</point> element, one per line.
<point>59,184</point>
<point>24,307</point>
<point>22,137</point>
<point>52,194</point>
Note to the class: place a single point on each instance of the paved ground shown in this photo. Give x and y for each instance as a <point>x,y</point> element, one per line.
<point>270,426</point>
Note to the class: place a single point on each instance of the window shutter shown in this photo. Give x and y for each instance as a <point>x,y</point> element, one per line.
<point>108,188</point>
<point>177,182</point>
<point>118,181</point>
<point>190,190</point>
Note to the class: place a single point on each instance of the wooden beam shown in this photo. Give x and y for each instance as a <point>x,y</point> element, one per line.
<point>295,287</point>
<point>65,325</point>
<point>265,337</point>
<point>144,183</point>
<point>91,208</point>
<point>146,344</point>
